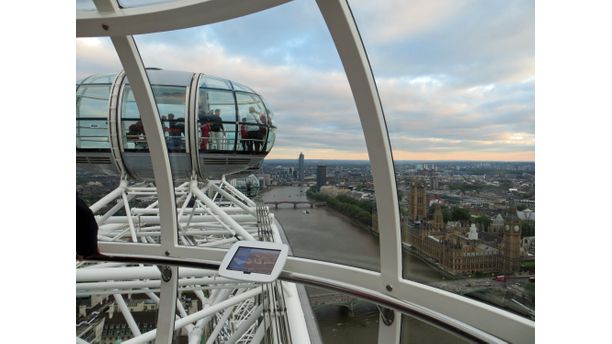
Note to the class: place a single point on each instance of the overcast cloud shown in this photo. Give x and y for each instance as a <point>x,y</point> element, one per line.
<point>456,78</point>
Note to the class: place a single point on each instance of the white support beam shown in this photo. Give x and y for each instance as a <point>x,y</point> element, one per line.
<point>389,333</point>
<point>134,272</point>
<point>166,313</point>
<point>228,220</point>
<point>220,324</point>
<point>153,283</point>
<point>109,197</point>
<point>148,220</point>
<point>343,29</point>
<point>127,314</point>
<point>172,15</point>
<point>508,326</point>
<point>245,325</point>
<point>235,191</point>
<point>128,212</point>
<point>233,199</point>
<point>199,315</point>
<point>139,83</point>
<point>102,219</point>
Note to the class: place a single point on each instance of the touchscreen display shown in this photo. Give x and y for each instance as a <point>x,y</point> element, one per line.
<point>254,259</point>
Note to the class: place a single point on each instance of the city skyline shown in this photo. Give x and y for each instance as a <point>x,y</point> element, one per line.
<point>454,86</point>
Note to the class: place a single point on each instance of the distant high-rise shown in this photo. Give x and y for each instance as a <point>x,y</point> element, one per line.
<point>321,175</point>
<point>435,183</point>
<point>301,167</point>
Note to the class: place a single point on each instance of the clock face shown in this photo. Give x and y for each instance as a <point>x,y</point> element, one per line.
<point>516,228</point>
<point>507,228</point>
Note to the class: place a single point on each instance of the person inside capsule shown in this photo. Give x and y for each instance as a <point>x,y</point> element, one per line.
<point>244,135</point>
<point>254,132</point>
<point>217,132</point>
<point>136,134</point>
<point>175,130</point>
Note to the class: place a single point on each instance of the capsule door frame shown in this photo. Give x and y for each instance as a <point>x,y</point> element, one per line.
<point>116,114</point>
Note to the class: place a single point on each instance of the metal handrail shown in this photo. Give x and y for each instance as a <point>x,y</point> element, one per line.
<point>421,313</point>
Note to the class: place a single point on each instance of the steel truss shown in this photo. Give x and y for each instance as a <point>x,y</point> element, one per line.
<point>210,214</point>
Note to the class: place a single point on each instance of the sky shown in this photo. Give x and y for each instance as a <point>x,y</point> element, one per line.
<point>456,77</point>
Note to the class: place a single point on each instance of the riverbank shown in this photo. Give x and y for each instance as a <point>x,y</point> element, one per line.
<point>407,250</point>
<point>327,235</point>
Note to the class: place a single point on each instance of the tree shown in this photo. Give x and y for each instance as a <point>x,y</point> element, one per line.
<point>484,222</point>
<point>460,214</point>
<point>527,228</point>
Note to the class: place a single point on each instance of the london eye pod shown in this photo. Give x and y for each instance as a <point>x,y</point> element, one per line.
<point>212,126</point>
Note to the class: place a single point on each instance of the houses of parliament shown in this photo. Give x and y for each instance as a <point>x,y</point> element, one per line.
<point>457,248</point>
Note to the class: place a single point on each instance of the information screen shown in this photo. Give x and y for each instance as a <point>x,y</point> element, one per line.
<point>254,260</point>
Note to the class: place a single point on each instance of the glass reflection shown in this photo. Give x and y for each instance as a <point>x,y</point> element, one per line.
<point>342,318</point>
<point>417,331</point>
<point>462,207</point>
<point>91,113</point>
<point>171,106</point>
<point>253,122</point>
<point>216,120</point>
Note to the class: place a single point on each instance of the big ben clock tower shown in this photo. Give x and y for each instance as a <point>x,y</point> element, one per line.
<point>511,260</point>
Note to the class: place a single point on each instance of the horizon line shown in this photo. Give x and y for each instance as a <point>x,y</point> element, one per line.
<point>466,160</point>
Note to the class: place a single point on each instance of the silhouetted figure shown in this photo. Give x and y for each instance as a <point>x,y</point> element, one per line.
<point>254,130</point>
<point>244,135</point>
<point>175,130</point>
<point>217,131</point>
<point>136,134</point>
<point>86,230</point>
<point>265,121</point>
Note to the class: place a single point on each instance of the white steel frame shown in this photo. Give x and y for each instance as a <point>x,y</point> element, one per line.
<point>230,216</point>
<point>120,24</point>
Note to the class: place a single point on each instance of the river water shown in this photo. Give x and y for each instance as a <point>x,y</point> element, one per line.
<point>324,234</point>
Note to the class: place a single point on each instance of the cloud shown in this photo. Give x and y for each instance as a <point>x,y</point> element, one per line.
<point>95,55</point>
<point>389,21</point>
<point>458,85</point>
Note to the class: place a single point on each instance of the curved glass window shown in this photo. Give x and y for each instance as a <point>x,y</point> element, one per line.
<point>92,116</point>
<point>447,109</point>
<point>216,120</point>
<point>270,139</point>
<point>85,5</point>
<point>99,79</point>
<point>171,106</point>
<point>241,87</point>
<point>170,102</point>
<point>268,110</point>
<point>212,82</point>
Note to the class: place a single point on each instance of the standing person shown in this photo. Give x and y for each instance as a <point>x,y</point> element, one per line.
<point>217,132</point>
<point>244,135</point>
<point>205,128</point>
<point>254,133</point>
<point>174,133</point>
<point>164,123</point>
<point>265,121</point>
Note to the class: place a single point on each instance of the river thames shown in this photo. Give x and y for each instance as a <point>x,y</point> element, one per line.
<point>324,234</point>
